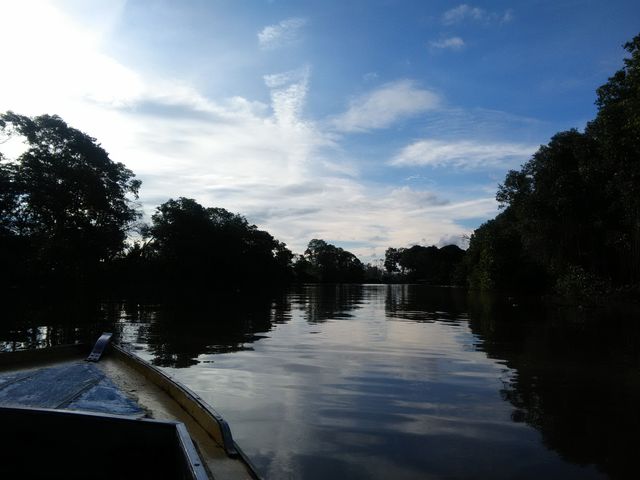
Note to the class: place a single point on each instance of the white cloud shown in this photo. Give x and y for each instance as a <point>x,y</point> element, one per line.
<point>288,94</point>
<point>232,142</point>
<point>462,12</point>
<point>370,76</point>
<point>370,217</point>
<point>465,12</point>
<point>407,194</point>
<point>385,105</point>
<point>276,80</point>
<point>462,154</point>
<point>270,162</point>
<point>506,17</point>
<point>281,34</point>
<point>54,54</point>
<point>452,43</point>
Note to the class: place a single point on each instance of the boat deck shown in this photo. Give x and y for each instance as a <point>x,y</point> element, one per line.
<point>111,386</point>
<point>74,385</point>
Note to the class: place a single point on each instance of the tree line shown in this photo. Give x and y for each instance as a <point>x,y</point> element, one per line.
<point>570,220</point>
<point>68,215</point>
<point>570,217</point>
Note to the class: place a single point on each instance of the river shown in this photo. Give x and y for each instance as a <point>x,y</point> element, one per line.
<point>389,381</point>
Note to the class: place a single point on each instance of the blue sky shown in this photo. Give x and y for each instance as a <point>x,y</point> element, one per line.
<point>366,123</point>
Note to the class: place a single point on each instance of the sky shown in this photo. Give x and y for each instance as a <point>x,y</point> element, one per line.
<point>367,123</point>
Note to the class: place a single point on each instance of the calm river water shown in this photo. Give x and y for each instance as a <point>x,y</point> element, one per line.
<point>390,381</point>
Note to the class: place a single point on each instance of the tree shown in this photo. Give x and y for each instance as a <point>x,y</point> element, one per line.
<point>557,204</point>
<point>616,128</point>
<point>430,265</point>
<point>198,247</point>
<point>303,270</point>
<point>420,263</point>
<point>572,212</point>
<point>332,264</point>
<point>496,260</point>
<point>63,201</point>
<point>392,259</point>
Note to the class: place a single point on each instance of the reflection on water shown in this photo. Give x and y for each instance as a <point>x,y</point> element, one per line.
<point>328,302</point>
<point>31,324</point>
<point>395,381</point>
<point>176,335</point>
<point>576,377</point>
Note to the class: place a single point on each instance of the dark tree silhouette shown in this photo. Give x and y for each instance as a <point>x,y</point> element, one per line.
<point>496,259</point>
<point>194,247</point>
<point>429,265</point>
<point>65,206</point>
<point>616,128</point>
<point>392,259</point>
<point>323,262</point>
<point>572,213</point>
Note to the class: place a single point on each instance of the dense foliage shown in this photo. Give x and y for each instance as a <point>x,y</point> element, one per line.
<point>430,265</point>
<point>190,246</point>
<point>65,207</point>
<point>571,216</point>
<point>323,262</point>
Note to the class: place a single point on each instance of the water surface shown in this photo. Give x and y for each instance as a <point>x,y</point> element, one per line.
<point>402,381</point>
